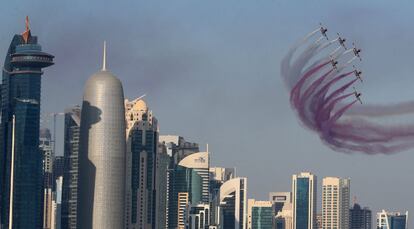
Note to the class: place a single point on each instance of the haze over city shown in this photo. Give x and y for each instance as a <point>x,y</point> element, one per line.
<point>211,73</point>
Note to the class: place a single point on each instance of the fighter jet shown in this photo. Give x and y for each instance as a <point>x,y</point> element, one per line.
<point>334,63</point>
<point>323,31</point>
<point>341,41</point>
<point>358,74</point>
<point>356,51</point>
<point>357,95</point>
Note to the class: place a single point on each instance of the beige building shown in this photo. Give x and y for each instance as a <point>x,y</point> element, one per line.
<point>259,213</point>
<point>335,203</point>
<point>141,150</point>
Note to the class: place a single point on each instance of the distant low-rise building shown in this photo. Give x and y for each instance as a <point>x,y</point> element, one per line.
<point>392,220</point>
<point>360,218</point>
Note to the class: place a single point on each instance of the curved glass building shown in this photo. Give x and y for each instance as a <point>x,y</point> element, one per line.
<point>101,201</point>
<point>21,184</point>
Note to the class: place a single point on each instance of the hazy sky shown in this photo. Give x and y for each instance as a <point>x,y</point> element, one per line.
<point>210,70</point>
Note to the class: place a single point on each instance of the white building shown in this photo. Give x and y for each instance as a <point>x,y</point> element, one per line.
<point>233,204</point>
<point>200,162</point>
<point>335,202</point>
<point>392,220</point>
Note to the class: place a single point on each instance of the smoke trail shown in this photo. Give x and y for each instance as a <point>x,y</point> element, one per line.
<point>318,95</point>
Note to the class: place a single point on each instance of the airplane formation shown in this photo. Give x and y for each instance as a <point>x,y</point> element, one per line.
<point>356,51</point>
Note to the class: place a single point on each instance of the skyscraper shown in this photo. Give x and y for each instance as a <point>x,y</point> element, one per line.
<point>45,145</point>
<point>360,218</point>
<point>70,167</point>
<point>282,207</point>
<point>141,154</point>
<point>21,183</point>
<point>335,202</point>
<point>177,147</point>
<point>304,200</point>
<point>200,163</point>
<point>259,214</point>
<point>162,186</point>
<point>101,184</point>
<point>280,200</point>
<point>218,176</point>
<point>185,188</point>
<point>233,204</point>
<point>392,220</point>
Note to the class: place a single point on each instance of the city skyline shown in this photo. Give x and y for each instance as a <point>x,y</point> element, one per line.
<point>219,94</point>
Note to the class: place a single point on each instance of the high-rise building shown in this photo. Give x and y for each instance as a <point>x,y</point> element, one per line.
<point>21,163</point>
<point>162,186</point>
<point>335,202</point>
<point>58,168</point>
<point>282,208</point>
<point>218,176</point>
<point>200,163</point>
<point>304,200</point>
<point>392,220</point>
<point>360,218</point>
<point>198,216</point>
<point>70,168</point>
<point>57,202</point>
<point>46,148</point>
<point>185,189</point>
<point>45,145</point>
<point>260,214</point>
<point>280,200</point>
<point>141,154</point>
<point>101,197</point>
<point>177,147</point>
<point>233,204</point>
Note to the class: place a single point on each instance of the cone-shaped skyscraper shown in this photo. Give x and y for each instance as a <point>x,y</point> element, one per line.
<point>101,202</point>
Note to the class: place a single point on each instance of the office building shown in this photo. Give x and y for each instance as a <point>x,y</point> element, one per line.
<point>282,208</point>
<point>177,147</point>
<point>198,216</point>
<point>360,218</point>
<point>200,163</point>
<point>185,189</point>
<point>392,220</point>
<point>21,163</point>
<point>260,214</point>
<point>141,154</point>
<point>162,187</point>
<point>280,200</point>
<point>335,202</point>
<point>233,204</point>
<point>304,200</point>
<point>70,167</point>
<point>218,176</point>
<point>101,197</point>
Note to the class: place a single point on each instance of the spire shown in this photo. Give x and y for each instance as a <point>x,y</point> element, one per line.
<point>26,34</point>
<point>104,57</point>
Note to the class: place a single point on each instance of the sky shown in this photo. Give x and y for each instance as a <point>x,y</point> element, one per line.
<point>211,72</point>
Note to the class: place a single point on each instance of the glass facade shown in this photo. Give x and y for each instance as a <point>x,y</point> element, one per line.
<point>70,168</point>
<point>302,203</point>
<point>144,141</point>
<point>20,97</point>
<point>262,218</point>
<point>183,180</point>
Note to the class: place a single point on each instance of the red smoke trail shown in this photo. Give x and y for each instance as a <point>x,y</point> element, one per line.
<point>340,125</point>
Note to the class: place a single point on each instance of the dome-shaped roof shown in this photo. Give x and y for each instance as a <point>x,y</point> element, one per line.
<point>140,105</point>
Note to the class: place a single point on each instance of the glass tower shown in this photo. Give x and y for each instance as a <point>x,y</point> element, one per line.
<point>304,201</point>
<point>70,168</point>
<point>20,98</point>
